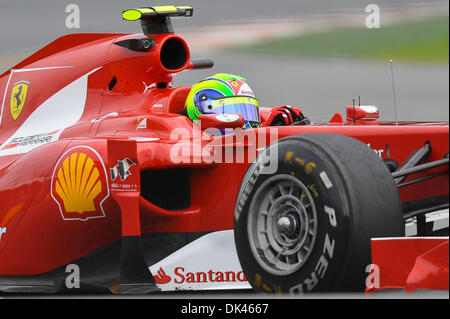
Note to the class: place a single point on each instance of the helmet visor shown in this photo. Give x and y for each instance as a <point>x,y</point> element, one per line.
<point>245,105</point>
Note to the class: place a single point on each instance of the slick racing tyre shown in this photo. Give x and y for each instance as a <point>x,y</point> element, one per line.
<point>306,226</point>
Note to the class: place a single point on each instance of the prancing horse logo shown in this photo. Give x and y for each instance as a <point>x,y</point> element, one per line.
<point>18,95</point>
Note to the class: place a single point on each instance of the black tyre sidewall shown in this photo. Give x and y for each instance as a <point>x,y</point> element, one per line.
<point>341,250</point>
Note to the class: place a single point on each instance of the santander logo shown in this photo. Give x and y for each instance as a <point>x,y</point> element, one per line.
<point>161,278</point>
<point>180,276</point>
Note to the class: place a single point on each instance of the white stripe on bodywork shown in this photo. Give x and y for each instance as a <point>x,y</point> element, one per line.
<point>214,252</point>
<point>58,112</point>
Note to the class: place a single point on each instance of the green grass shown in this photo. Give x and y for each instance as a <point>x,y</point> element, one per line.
<point>418,41</point>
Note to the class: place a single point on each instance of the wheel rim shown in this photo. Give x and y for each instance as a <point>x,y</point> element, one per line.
<point>282,225</point>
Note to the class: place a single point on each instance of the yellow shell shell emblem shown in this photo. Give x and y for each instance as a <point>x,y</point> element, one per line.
<point>18,96</point>
<point>78,183</point>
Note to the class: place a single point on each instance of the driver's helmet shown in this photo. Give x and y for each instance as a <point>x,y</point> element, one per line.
<point>221,94</point>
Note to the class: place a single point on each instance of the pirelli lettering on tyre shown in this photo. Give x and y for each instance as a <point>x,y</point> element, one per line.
<point>319,270</point>
<point>322,264</point>
<point>325,258</point>
<point>325,179</point>
<point>79,184</point>
<point>244,192</point>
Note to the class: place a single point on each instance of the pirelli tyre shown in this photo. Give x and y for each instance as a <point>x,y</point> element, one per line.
<point>304,222</point>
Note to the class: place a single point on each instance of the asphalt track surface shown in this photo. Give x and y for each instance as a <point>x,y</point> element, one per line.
<point>29,23</point>
<point>320,87</point>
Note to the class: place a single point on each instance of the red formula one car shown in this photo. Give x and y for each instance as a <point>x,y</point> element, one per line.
<point>105,185</point>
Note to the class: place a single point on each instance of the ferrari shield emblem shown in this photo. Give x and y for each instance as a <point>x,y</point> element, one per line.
<point>18,96</point>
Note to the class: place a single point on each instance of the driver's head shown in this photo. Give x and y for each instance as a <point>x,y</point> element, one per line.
<point>223,93</point>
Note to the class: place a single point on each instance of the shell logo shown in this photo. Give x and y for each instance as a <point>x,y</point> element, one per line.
<point>79,184</point>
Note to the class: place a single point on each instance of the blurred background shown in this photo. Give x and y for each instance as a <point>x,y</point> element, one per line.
<point>317,55</point>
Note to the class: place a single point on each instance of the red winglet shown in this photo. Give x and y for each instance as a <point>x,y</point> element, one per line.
<point>411,263</point>
<point>430,270</point>
<point>337,119</point>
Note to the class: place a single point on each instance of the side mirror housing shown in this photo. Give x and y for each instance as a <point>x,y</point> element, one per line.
<point>362,113</point>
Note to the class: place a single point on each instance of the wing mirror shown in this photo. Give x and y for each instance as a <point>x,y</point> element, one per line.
<point>362,113</point>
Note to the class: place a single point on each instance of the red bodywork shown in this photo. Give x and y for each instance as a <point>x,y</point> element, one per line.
<point>42,233</point>
<point>413,263</point>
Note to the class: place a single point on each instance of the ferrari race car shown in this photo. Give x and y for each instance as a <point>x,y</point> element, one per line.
<point>106,186</point>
